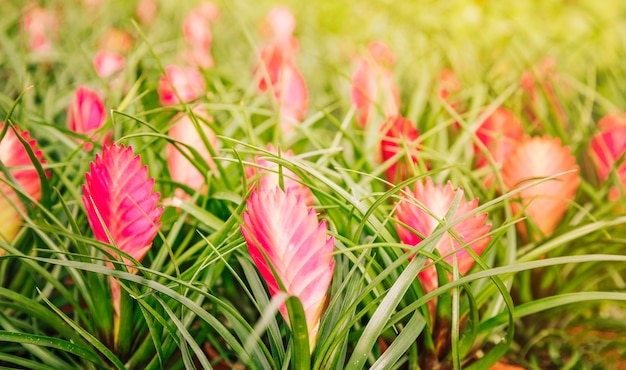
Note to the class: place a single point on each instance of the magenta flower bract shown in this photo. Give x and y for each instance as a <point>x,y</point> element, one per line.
<point>282,232</point>
<point>119,198</point>
<point>421,210</point>
<point>270,179</point>
<point>544,203</point>
<point>372,84</point>
<point>108,63</point>
<point>183,130</point>
<point>187,82</point>
<point>13,154</point>
<point>607,147</point>
<point>86,114</point>
<point>401,136</point>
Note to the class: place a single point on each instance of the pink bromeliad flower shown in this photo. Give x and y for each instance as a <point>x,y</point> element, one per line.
<point>14,157</point>
<point>607,147</point>
<point>119,199</point>
<point>184,131</point>
<point>423,209</point>
<point>39,25</point>
<point>86,115</point>
<point>146,11</point>
<point>372,84</point>
<point>269,177</point>
<point>538,83</point>
<point>108,63</point>
<point>282,232</point>
<point>401,136</point>
<point>187,82</point>
<point>198,35</point>
<point>500,132</point>
<point>546,202</point>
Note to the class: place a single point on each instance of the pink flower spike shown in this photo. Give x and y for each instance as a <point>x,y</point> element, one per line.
<point>146,11</point>
<point>607,147</point>
<point>121,204</point>
<point>421,210</point>
<point>108,63</point>
<point>545,203</point>
<point>187,82</point>
<point>279,25</point>
<point>372,84</point>
<point>500,133</point>
<point>401,136</point>
<point>282,233</point>
<point>292,95</point>
<point>86,115</point>
<point>270,179</point>
<point>184,131</point>
<point>39,26</point>
<point>13,154</point>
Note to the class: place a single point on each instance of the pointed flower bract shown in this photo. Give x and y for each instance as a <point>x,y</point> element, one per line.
<point>421,210</point>
<point>13,154</point>
<point>282,232</point>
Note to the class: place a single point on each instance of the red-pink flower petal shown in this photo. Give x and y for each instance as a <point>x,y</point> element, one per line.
<point>108,63</point>
<point>279,25</point>
<point>184,131</point>
<point>499,133</point>
<point>292,95</point>
<point>421,210</point>
<point>372,84</point>
<point>545,203</point>
<point>270,179</point>
<point>86,114</point>
<point>126,203</point>
<point>607,147</point>
<point>187,82</point>
<point>400,137</point>
<point>39,26</point>
<point>280,229</point>
<point>12,155</point>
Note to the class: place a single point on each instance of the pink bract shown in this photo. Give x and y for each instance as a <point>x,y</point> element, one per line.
<point>500,132</point>
<point>606,149</point>
<point>187,82</point>
<point>546,202</point>
<point>184,131</point>
<point>283,232</point>
<point>401,136</point>
<point>86,114</point>
<point>13,154</point>
<point>108,63</point>
<point>421,210</point>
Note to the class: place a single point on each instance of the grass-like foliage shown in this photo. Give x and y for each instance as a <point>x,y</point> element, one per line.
<point>312,185</point>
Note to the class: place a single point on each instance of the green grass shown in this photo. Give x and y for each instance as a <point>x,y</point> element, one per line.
<point>199,301</point>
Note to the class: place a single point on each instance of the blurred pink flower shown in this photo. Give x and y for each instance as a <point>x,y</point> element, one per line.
<point>187,82</point>
<point>119,199</point>
<point>448,85</point>
<point>116,40</point>
<point>197,33</point>
<point>13,154</point>
<point>86,115</point>
<point>40,27</point>
<point>184,131</point>
<point>282,232</point>
<point>421,211</point>
<point>372,84</point>
<point>146,11</point>
<point>545,203</point>
<point>500,132</point>
<point>108,63</point>
<point>279,26</point>
<point>400,137</point>
<point>540,82</point>
<point>270,179</point>
<point>606,149</point>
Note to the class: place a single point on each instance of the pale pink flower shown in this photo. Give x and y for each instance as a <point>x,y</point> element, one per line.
<point>540,82</point>
<point>424,208</point>
<point>292,96</point>
<point>545,203</point>
<point>279,26</point>
<point>119,199</point>
<point>401,136</point>
<point>197,33</point>
<point>500,133</point>
<point>146,11</point>
<point>86,115</point>
<point>372,84</point>
<point>187,82</point>
<point>40,27</point>
<point>14,157</point>
<point>181,169</point>
<point>448,84</point>
<point>282,232</point>
<point>269,177</point>
<point>108,63</point>
<point>607,147</point>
